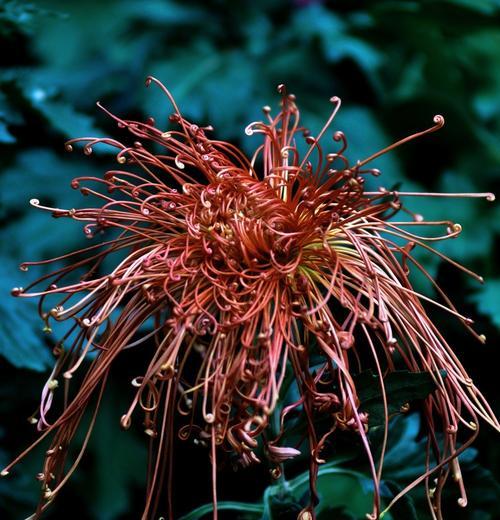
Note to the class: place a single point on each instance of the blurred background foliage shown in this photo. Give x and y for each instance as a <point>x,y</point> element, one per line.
<point>394,64</point>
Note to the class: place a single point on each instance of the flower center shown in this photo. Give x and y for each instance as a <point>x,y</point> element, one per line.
<point>243,224</point>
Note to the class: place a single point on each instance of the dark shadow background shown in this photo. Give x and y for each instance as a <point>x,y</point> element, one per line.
<point>394,64</point>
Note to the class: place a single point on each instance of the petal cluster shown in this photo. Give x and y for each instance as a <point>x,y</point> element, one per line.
<point>245,274</point>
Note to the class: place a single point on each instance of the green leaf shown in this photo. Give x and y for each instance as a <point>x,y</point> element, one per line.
<point>405,458</point>
<point>284,506</point>
<point>66,120</point>
<point>160,12</point>
<point>488,301</point>
<point>8,116</point>
<point>401,387</point>
<point>482,6</point>
<point>41,174</point>
<point>15,16</point>
<point>405,461</point>
<point>20,328</point>
<point>43,94</point>
<point>356,49</point>
<point>337,486</point>
<point>404,507</point>
<point>343,487</point>
<point>471,214</point>
<point>483,491</point>
<point>30,234</point>
<point>5,135</point>
<point>366,136</point>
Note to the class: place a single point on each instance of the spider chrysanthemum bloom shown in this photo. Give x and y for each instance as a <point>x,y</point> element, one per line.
<point>245,270</point>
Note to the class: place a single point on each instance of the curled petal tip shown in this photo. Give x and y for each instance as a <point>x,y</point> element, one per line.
<point>125,422</point>
<point>439,120</point>
<point>305,515</point>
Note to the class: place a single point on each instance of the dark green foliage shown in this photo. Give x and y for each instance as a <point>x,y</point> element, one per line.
<point>394,63</point>
<point>401,388</point>
<point>345,488</point>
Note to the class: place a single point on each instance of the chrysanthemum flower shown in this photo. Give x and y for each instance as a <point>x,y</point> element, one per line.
<point>246,270</point>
